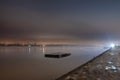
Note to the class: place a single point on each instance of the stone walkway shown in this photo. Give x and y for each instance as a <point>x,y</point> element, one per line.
<point>103,67</point>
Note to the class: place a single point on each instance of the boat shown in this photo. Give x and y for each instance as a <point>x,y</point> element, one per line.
<point>57,55</point>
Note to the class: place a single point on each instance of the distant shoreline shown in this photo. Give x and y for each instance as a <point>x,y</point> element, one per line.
<point>47,45</point>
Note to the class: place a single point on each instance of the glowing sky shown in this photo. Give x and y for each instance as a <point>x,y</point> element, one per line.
<point>71,20</point>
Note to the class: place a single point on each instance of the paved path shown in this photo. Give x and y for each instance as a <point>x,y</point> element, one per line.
<point>104,67</point>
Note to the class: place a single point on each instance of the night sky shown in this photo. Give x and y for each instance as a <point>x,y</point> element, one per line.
<point>64,20</point>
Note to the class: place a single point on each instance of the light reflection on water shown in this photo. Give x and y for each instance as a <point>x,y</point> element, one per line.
<point>29,63</point>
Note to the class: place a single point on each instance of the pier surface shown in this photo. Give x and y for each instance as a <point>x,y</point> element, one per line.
<point>104,67</point>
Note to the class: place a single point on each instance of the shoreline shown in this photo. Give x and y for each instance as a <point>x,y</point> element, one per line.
<point>81,66</point>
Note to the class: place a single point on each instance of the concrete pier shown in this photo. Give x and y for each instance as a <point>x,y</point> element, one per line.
<point>103,67</point>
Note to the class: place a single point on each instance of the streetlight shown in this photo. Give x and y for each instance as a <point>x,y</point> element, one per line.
<point>112,45</point>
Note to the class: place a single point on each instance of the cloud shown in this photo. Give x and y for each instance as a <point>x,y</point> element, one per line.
<point>59,21</point>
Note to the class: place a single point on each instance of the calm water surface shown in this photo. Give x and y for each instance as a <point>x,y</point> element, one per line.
<point>24,63</point>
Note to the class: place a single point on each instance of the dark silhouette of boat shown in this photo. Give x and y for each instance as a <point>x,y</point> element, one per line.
<point>57,55</point>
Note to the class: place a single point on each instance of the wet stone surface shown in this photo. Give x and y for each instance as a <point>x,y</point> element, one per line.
<point>104,67</point>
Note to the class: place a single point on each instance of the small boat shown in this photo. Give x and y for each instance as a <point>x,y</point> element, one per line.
<point>57,55</point>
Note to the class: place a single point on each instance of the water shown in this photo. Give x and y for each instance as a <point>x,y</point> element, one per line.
<point>29,63</point>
